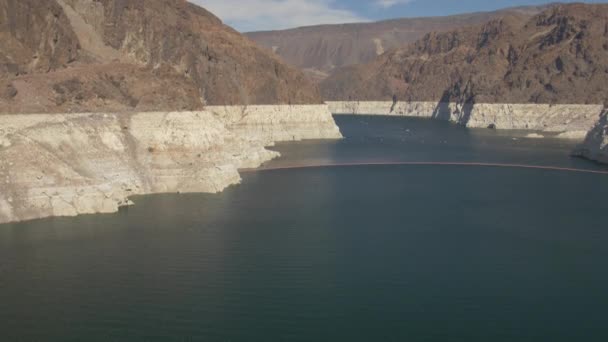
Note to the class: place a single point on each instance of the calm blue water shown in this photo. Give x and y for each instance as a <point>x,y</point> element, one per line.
<point>370,253</point>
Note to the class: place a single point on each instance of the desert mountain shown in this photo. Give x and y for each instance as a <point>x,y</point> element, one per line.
<point>99,55</point>
<point>320,49</point>
<point>557,56</point>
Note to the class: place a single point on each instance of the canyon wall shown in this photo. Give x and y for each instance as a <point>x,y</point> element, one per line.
<point>542,73</point>
<point>71,164</point>
<point>570,121</point>
<point>556,57</point>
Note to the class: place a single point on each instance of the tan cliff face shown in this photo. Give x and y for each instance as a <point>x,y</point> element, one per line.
<point>559,56</point>
<point>71,164</point>
<point>321,49</point>
<point>133,55</point>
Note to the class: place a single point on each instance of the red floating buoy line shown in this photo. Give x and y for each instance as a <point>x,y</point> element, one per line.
<point>423,163</point>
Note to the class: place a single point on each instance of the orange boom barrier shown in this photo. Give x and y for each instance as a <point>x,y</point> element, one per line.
<point>518,166</point>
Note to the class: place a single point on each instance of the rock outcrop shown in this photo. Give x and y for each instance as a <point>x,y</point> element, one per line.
<point>323,48</point>
<point>62,56</point>
<point>595,146</point>
<point>70,164</point>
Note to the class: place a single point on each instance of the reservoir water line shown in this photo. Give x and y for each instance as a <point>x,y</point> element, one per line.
<point>395,163</point>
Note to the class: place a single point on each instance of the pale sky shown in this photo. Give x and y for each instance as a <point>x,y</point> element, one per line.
<point>254,15</point>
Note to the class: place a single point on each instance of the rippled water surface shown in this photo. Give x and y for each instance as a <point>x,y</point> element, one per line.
<point>367,253</point>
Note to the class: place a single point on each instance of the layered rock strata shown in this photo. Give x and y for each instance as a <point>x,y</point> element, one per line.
<point>571,121</point>
<point>71,164</point>
<point>266,124</point>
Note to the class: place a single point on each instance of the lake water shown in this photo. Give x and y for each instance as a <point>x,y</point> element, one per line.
<point>351,253</point>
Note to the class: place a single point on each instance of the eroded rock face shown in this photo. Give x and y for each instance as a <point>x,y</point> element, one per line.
<point>36,37</point>
<point>557,57</point>
<point>134,55</point>
<point>71,164</point>
<point>227,67</point>
<point>595,146</point>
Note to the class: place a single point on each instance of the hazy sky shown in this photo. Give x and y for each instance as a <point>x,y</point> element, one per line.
<point>251,15</point>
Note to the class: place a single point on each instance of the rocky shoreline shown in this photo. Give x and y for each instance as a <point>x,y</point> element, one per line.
<point>585,123</point>
<point>72,164</point>
<point>571,121</point>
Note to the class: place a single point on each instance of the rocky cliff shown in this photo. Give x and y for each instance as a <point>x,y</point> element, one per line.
<point>321,49</point>
<point>559,56</point>
<point>70,164</point>
<point>133,55</point>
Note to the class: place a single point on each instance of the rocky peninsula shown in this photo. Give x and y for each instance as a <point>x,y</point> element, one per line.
<point>102,100</point>
<point>70,164</point>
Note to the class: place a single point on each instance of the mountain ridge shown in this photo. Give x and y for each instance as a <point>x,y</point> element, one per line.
<point>557,56</point>
<point>322,48</point>
<point>134,55</point>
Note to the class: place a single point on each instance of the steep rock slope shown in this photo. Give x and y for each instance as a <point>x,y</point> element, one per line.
<point>558,56</point>
<point>36,37</point>
<point>133,55</point>
<point>321,49</point>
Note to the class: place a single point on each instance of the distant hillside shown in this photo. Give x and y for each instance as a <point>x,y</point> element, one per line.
<point>557,56</point>
<point>321,49</point>
<point>95,55</point>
